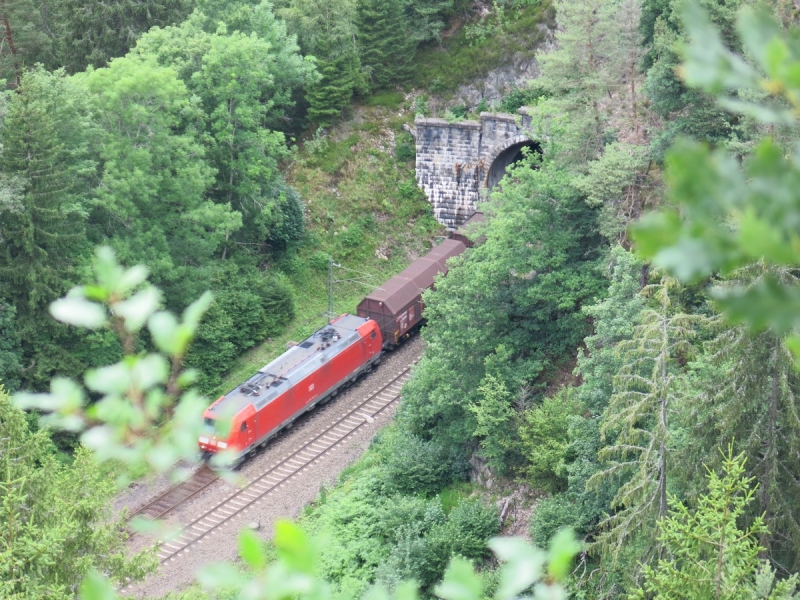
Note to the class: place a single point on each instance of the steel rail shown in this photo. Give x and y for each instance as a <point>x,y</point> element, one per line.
<point>178,494</point>
<point>259,487</point>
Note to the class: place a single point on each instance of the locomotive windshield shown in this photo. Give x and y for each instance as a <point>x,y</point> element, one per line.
<point>208,425</point>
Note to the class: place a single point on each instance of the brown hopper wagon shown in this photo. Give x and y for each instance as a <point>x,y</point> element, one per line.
<point>397,305</point>
<point>461,233</point>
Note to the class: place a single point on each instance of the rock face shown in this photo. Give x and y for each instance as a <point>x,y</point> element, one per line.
<point>458,161</point>
<point>517,69</point>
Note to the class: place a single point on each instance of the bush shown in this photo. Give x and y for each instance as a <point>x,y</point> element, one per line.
<point>405,149</point>
<point>545,440</point>
<point>286,224</point>
<point>522,96</point>
<point>551,515</point>
<point>415,466</point>
<point>469,526</point>
<point>424,546</point>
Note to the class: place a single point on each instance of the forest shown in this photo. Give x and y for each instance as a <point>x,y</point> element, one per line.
<point>623,345</point>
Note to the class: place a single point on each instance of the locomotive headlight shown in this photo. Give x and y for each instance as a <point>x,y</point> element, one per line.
<point>222,444</point>
<point>203,440</point>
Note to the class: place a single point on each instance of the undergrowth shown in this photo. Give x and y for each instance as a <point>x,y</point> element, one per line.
<point>461,57</point>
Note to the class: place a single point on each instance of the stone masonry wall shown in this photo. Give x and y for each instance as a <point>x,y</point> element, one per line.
<point>455,159</point>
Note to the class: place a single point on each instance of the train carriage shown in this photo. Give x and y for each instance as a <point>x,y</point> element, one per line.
<point>397,305</point>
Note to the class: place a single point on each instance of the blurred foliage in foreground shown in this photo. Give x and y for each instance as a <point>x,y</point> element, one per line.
<point>725,214</point>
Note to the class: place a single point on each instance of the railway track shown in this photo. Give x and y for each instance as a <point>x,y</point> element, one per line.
<point>263,485</point>
<point>178,494</point>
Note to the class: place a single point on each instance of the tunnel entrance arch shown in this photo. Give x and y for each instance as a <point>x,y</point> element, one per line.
<point>456,162</point>
<point>507,157</point>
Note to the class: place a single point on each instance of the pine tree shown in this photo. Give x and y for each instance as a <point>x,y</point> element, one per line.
<point>56,520</point>
<point>10,349</point>
<point>24,39</point>
<point>576,74</point>
<point>328,96</point>
<point>749,393</point>
<point>40,231</point>
<point>638,414</point>
<point>708,555</point>
<point>385,47</point>
<point>92,33</point>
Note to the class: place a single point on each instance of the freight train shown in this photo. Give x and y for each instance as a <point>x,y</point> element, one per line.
<point>315,370</point>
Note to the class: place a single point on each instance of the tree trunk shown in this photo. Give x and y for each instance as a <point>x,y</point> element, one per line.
<point>9,35</point>
<point>770,445</point>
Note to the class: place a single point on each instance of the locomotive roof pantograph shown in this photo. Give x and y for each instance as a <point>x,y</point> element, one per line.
<point>291,367</point>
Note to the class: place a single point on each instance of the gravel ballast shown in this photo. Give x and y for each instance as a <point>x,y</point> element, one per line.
<point>285,501</point>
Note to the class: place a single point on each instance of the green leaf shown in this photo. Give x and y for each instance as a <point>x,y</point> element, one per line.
<point>251,549</point>
<point>79,312</point>
<point>219,575</point>
<point>107,269</point>
<point>111,379</point>
<point>137,309</point>
<point>294,547</point>
<point>131,279</point>
<point>460,582</point>
<point>163,327</point>
<point>793,343</point>
<point>406,590</point>
<point>524,565</point>
<point>195,311</point>
<point>96,587</point>
<point>149,371</point>
<point>65,396</point>
<point>765,304</point>
<point>563,549</point>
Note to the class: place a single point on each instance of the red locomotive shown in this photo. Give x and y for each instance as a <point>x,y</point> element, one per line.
<point>302,377</point>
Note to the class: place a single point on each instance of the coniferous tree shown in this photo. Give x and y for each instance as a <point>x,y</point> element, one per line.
<point>41,231</point>
<point>328,96</point>
<point>385,47</point>
<point>749,390</point>
<point>92,33</point>
<point>686,111</point>
<point>708,552</point>
<point>56,522</point>
<point>638,414</point>
<point>24,40</point>
<point>576,74</point>
<point>327,31</point>
<point>45,139</point>
<point>427,18</point>
<point>10,349</point>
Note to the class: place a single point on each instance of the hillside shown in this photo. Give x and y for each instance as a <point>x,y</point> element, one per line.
<point>611,373</point>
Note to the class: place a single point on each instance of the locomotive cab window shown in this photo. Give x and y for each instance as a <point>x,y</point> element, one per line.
<point>372,335</point>
<point>244,426</point>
